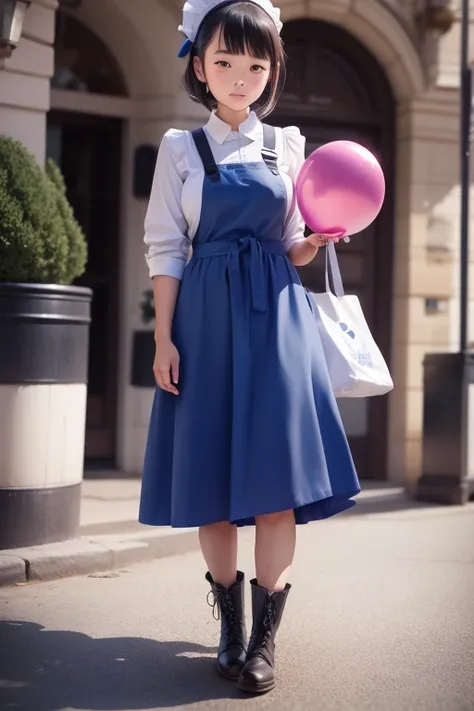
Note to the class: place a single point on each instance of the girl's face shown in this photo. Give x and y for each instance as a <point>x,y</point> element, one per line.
<point>235,80</point>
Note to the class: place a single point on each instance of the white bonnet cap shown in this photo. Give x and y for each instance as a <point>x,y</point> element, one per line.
<point>194,12</point>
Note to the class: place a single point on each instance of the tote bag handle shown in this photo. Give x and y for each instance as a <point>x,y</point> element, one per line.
<point>332,267</point>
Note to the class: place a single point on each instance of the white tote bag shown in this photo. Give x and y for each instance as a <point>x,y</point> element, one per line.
<point>356,365</point>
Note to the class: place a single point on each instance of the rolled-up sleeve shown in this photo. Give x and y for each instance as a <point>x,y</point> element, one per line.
<point>165,226</point>
<point>294,156</point>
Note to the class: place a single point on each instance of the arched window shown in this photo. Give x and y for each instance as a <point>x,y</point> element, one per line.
<point>83,62</point>
<point>331,76</point>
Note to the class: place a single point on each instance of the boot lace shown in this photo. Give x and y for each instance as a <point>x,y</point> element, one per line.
<point>264,636</point>
<point>222,604</point>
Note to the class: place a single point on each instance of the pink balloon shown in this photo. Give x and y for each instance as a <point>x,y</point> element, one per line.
<point>340,188</point>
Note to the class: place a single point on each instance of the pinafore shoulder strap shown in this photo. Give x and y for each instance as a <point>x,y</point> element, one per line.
<point>269,153</point>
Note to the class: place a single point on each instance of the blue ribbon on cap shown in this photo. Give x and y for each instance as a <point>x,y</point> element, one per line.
<point>185,48</point>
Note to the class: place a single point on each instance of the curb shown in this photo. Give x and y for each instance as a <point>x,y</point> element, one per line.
<point>92,554</point>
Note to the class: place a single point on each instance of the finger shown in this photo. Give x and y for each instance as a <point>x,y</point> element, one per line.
<point>172,389</point>
<point>175,369</point>
<point>159,379</point>
<point>166,375</point>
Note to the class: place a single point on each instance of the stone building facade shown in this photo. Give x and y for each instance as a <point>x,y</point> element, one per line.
<point>95,84</point>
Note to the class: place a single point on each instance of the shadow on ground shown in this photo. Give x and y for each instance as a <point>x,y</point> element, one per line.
<point>45,670</point>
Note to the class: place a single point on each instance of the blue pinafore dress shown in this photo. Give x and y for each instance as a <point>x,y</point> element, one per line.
<point>255,428</point>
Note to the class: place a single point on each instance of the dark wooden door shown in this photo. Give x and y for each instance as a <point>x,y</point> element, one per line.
<point>88,149</point>
<point>362,270</point>
<point>336,91</point>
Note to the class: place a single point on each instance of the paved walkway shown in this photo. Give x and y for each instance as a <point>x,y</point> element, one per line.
<point>109,502</point>
<point>111,537</point>
<point>380,618</point>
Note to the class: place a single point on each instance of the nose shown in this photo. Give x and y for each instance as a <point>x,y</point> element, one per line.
<point>239,83</point>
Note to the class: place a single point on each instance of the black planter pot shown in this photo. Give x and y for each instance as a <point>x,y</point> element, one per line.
<point>44,336</point>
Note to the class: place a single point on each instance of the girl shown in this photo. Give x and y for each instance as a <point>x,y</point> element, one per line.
<point>244,429</point>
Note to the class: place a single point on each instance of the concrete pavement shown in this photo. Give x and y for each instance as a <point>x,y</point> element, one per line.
<point>110,535</point>
<point>380,618</point>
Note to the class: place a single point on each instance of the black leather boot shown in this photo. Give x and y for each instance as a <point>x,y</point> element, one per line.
<point>229,603</point>
<point>257,676</point>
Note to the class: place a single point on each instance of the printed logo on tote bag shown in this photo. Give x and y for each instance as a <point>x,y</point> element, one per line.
<point>363,357</point>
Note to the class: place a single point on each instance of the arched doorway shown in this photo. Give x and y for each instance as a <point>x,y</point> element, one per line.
<point>337,90</point>
<point>87,148</point>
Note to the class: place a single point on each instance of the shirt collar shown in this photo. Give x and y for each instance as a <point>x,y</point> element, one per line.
<point>219,130</point>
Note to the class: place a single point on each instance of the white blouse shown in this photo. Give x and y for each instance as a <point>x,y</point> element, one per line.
<point>174,209</point>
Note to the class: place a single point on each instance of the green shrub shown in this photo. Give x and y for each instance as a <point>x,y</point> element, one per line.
<point>39,239</point>
<point>77,247</point>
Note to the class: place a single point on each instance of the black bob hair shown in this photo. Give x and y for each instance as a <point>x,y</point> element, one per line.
<point>244,26</point>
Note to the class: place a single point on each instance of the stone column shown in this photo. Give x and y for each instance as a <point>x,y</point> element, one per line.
<point>424,264</point>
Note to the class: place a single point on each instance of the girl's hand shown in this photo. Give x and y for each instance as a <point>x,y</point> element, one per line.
<point>318,240</point>
<point>166,365</point>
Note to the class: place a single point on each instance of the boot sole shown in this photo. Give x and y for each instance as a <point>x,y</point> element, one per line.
<point>250,688</point>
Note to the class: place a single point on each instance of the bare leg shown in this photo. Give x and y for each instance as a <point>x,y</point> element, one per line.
<point>219,548</point>
<point>274,549</point>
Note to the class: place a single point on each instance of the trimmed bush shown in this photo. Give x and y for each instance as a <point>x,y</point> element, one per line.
<point>40,241</point>
<point>77,247</point>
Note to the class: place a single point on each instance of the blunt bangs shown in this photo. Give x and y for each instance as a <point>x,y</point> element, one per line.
<point>247,28</point>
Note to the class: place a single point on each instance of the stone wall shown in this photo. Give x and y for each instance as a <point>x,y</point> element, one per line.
<point>24,79</point>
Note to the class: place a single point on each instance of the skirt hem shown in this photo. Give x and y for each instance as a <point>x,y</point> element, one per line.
<point>316,509</point>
